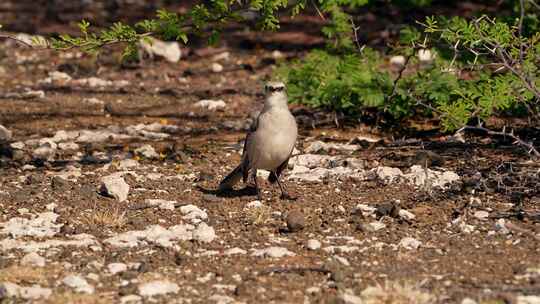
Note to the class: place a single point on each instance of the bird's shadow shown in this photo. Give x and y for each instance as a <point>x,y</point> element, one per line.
<point>246,191</point>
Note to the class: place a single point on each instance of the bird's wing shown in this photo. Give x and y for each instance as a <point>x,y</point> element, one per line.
<point>245,165</point>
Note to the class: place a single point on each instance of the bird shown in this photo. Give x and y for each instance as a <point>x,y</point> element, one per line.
<point>269,142</point>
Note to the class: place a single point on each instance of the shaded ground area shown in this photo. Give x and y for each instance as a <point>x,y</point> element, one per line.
<point>367,227</point>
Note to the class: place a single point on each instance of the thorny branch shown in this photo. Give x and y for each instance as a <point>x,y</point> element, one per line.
<point>531,150</point>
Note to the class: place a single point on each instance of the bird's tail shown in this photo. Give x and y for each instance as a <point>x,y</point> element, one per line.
<point>232,179</point>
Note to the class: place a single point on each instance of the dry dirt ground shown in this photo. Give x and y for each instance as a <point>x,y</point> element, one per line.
<point>358,236</point>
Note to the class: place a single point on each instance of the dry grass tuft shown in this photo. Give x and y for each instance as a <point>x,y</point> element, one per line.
<point>259,215</point>
<point>76,298</point>
<point>110,218</point>
<point>396,293</point>
<point>26,274</point>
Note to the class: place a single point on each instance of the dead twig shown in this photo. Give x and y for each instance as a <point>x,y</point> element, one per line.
<point>144,206</point>
<point>297,270</point>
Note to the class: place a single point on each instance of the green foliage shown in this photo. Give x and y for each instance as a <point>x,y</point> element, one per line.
<point>337,83</point>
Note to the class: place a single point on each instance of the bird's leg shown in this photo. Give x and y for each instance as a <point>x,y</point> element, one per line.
<point>284,194</point>
<point>257,189</point>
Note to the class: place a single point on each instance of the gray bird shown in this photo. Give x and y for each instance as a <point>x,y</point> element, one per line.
<point>269,142</point>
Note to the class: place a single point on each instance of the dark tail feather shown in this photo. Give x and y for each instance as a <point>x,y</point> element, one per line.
<point>232,179</point>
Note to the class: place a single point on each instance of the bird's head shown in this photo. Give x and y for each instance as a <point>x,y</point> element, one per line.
<point>276,94</point>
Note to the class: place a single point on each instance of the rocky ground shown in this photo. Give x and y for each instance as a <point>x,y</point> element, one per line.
<point>107,194</point>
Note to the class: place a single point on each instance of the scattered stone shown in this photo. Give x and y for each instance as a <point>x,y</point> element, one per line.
<point>78,283</point>
<point>56,78</point>
<point>528,300</point>
<point>410,243</point>
<point>313,244</point>
<point>468,301</point>
<point>398,60</point>
<point>19,145</point>
<point>162,204</point>
<point>388,175</point>
<point>129,299</point>
<point>234,251</point>
<point>211,105</point>
<point>500,226</point>
<point>46,150</point>
<point>481,215</point>
<point>425,55</point>
<point>193,213</point>
<point>115,186</point>
<point>216,67</point>
<point>127,164</point>
<point>312,161</point>
<point>374,226</point>
<point>162,236</point>
<point>156,288</point>
<point>349,298</point>
<point>34,292</point>
<point>340,249</point>
<point>79,240</point>
<point>5,134</point>
<point>272,252</point>
<point>319,146</point>
<point>365,209</point>
<point>148,152</point>
<point>221,299</point>
<point>44,225</point>
<point>68,146</point>
<point>406,215</point>
<point>343,261</point>
<point>295,221</point>
<point>33,259</point>
<point>204,233</point>
<point>115,268</point>
<point>422,177</point>
<point>170,51</point>
<point>254,204</point>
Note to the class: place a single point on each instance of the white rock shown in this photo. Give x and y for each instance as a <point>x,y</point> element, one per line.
<point>69,146</point>
<point>313,244</point>
<point>170,51</point>
<point>422,177</point>
<point>33,259</point>
<point>365,209</point>
<point>115,186</point>
<point>375,226</point>
<point>204,233</point>
<point>34,292</point>
<point>157,235</point>
<point>528,300</point>
<point>16,145</point>
<point>409,243</point>
<point>221,56</point>
<point>318,146</point>
<point>56,78</point>
<point>63,136</point>
<point>162,204</point>
<point>129,299</point>
<point>211,105</point>
<point>78,283</point>
<point>406,215</point>
<point>481,215</point>
<point>127,164</point>
<point>277,54</point>
<point>156,288</point>
<point>254,204</point>
<point>388,175</point>
<point>154,176</point>
<point>272,252</point>
<point>349,298</point>
<point>468,301</point>
<point>79,240</point>
<point>343,248</point>
<point>115,268</point>
<point>44,225</point>
<point>147,151</point>
<point>5,134</point>
<point>46,150</point>
<point>93,101</point>
<point>500,226</point>
<point>398,60</point>
<point>313,160</point>
<point>234,251</point>
<point>216,67</point>
<point>193,213</point>
<point>425,55</point>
